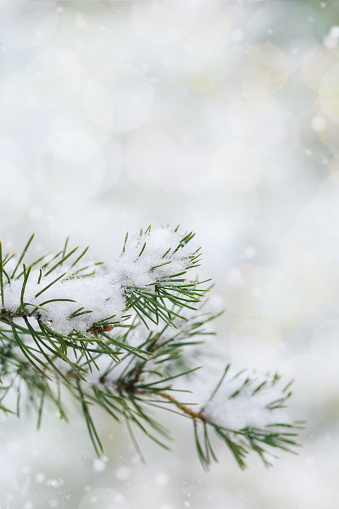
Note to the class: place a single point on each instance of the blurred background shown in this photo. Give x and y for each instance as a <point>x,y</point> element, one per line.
<point>222,116</point>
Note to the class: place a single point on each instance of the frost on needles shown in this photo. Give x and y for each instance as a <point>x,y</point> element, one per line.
<point>126,337</point>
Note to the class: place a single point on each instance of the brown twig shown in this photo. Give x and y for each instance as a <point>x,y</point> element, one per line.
<point>181,406</point>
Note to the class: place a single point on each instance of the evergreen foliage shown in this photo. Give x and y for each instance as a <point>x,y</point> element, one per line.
<point>119,338</point>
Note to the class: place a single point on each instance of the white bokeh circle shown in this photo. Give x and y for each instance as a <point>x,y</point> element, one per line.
<point>329,92</point>
<point>252,118</point>
<point>104,498</point>
<point>189,174</point>
<point>114,164</point>
<point>178,121</point>
<point>53,79</point>
<point>218,75</point>
<point>85,222</point>
<point>211,32</point>
<point>330,135</point>
<point>150,158</point>
<point>298,19</point>
<point>14,195</point>
<point>164,22</point>
<point>312,281</point>
<point>70,167</point>
<point>285,168</point>
<point>25,24</point>
<point>262,121</point>
<point>279,298</point>
<point>334,165</point>
<point>280,139</point>
<point>10,150</point>
<point>236,165</point>
<point>293,26</point>
<point>310,125</point>
<point>326,206</point>
<point>308,394</point>
<point>324,344</point>
<point>265,69</point>
<point>316,63</point>
<point>242,288</point>
<point>118,98</point>
<point>231,214</point>
<point>254,341</point>
<point>330,29</point>
<point>317,227</point>
<point>311,229</point>
<point>86,25</point>
<point>74,117</point>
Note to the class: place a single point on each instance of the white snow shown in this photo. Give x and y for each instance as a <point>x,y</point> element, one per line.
<point>101,294</point>
<point>246,409</point>
<point>132,270</point>
<point>95,293</point>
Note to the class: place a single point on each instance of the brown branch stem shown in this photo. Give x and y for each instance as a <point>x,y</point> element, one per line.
<point>181,406</point>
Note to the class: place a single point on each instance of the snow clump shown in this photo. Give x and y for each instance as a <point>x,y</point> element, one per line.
<point>247,408</point>
<point>147,259</point>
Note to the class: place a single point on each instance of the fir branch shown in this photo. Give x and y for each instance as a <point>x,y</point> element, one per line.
<point>126,338</point>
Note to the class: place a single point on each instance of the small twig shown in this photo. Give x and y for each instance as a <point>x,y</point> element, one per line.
<point>183,408</point>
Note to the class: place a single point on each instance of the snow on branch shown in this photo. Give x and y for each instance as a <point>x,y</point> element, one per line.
<point>248,401</point>
<point>150,269</point>
<point>124,338</point>
<point>249,412</point>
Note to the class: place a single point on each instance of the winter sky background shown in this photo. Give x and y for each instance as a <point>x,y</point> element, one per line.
<point>222,116</point>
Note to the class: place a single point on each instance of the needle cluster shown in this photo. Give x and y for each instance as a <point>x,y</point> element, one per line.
<point>125,337</point>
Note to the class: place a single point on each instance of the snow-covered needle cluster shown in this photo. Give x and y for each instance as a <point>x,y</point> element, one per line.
<point>66,300</point>
<point>248,401</point>
<point>121,336</point>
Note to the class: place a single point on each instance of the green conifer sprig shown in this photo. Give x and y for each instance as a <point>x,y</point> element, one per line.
<point>133,352</point>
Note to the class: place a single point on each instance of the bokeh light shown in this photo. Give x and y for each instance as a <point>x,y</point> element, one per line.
<point>211,31</point>
<point>13,205</point>
<point>223,117</point>
<point>164,22</point>
<point>237,165</point>
<point>254,341</point>
<point>118,99</point>
<point>104,498</point>
<point>265,69</point>
<point>324,344</point>
<point>53,79</point>
<point>35,23</point>
<point>71,166</point>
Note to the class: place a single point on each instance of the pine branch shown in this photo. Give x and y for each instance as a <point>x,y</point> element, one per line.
<point>126,338</point>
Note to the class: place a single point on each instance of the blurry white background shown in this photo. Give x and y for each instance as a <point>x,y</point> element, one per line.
<point>219,115</point>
